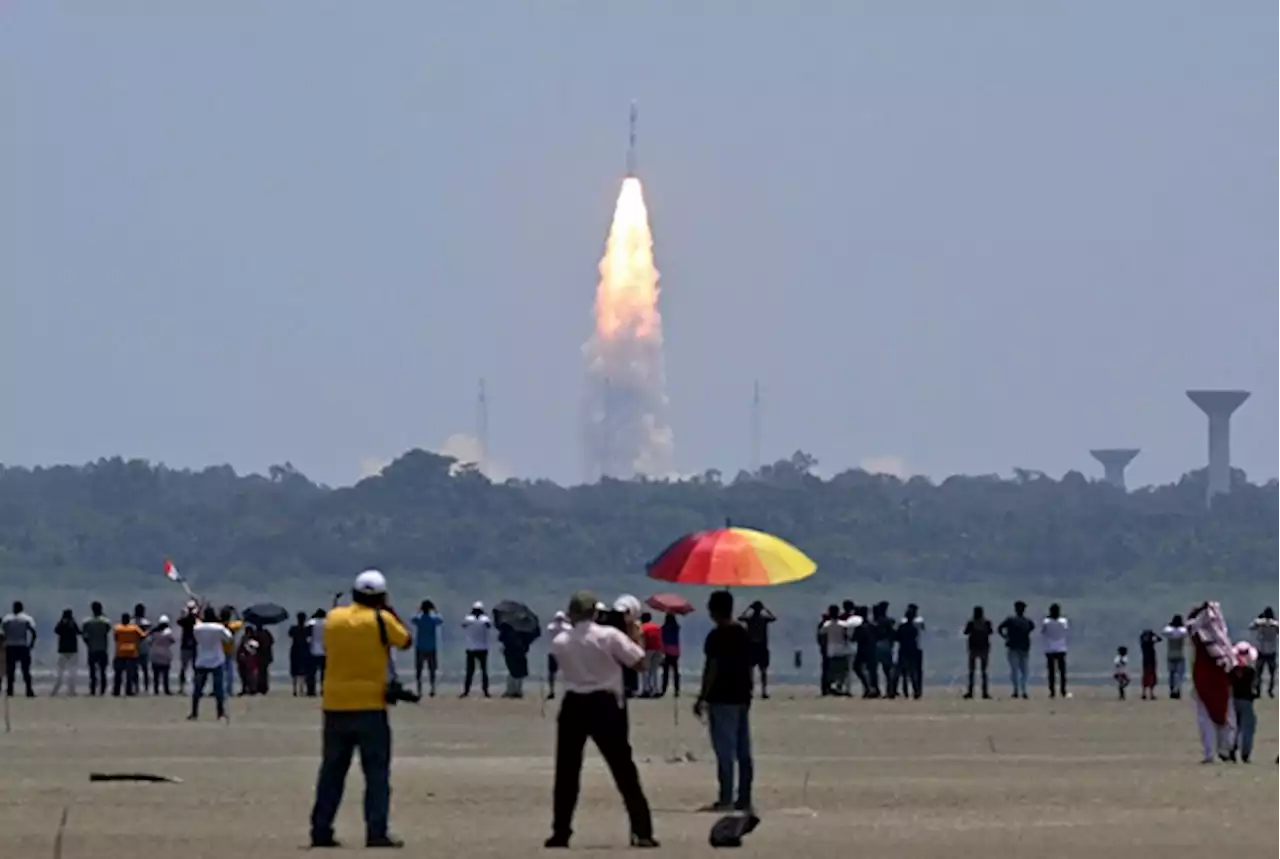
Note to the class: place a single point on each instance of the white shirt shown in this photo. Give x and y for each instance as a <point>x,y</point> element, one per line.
<point>1121,663</point>
<point>209,640</point>
<point>1265,630</point>
<point>1173,641</point>
<point>476,631</point>
<point>162,646</point>
<point>18,629</point>
<point>1054,633</point>
<point>317,636</point>
<point>837,632</point>
<point>592,656</point>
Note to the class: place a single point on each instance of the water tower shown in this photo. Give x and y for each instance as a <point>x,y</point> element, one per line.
<point>1114,462</point>
<point>1219,406</point>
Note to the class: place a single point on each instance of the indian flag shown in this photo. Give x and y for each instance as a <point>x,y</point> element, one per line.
<point>171,572</point>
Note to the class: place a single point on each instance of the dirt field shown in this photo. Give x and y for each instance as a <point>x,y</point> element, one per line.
<point>938,777</point>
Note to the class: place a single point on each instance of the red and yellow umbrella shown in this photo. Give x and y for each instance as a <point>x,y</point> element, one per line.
<point>731,557</point>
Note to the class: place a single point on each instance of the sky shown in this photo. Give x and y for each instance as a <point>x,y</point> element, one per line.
<point>944,237</point>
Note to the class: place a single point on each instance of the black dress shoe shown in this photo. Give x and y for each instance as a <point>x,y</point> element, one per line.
<point>643,842</point>
<point>384,841</point>
<point>325,841</point>
<point>556,841</point>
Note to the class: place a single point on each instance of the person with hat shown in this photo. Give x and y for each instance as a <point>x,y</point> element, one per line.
<point>358,640</point>
<point>558,624</point>
<point>592,657</point>
<point>477,628</point>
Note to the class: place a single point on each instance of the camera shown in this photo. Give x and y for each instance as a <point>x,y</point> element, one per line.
<point>614,618</point>
<point>397,693</point>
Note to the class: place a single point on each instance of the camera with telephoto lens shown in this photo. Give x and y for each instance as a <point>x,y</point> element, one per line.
<point>616,619</point>
<point>397,693</point>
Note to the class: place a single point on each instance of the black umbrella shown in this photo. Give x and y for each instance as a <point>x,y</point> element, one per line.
<point>265,614</point>
<point>519,617</point>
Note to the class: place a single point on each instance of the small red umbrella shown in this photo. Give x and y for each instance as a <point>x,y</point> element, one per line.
<point>670,604</point>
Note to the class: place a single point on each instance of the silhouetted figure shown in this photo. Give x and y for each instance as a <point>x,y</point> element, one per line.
<point>1016,631</point>
<point>1053,632</point>
<point>757,619</point>
<point>1265,630</point>
<point>977,633</point>
<point>1147,642</point>
<point>864,649</point>
<point>883,633</point>
<point>911,652</point>
<point>671,654</point>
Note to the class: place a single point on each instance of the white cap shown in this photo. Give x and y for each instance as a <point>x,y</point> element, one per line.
<point>561,616</point>
<point>371,582</point>
<point>477,606</point>
<point>627,603</point>
<point>164,618</point>
<point>601,607</point>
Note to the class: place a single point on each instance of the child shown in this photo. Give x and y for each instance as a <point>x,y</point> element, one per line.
<point>1122,670</point>
<point>1150,673</point>
<point>1244,689</point>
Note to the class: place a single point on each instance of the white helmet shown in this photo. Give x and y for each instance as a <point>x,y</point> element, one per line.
<point>371,583</point>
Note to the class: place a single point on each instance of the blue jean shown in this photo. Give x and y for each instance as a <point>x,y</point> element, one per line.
<point>344,732</point>
<point>1177,673</point>
<point>203,675</point>
<point>731,739</point>
<point>1246,724</point>
<point>1018,671</point>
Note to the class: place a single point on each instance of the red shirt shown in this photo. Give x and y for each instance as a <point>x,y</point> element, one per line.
<point>652,637</point>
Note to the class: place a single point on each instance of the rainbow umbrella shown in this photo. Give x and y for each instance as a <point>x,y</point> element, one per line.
<point>731,557</point>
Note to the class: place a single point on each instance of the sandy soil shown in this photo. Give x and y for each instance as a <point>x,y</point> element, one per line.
<point>938,777</point>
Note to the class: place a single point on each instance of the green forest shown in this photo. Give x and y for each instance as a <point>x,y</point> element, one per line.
<point>429,518</point>
<point>1118,561</point>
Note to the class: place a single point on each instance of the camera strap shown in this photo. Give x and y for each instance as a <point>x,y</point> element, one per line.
<point>382,629</point>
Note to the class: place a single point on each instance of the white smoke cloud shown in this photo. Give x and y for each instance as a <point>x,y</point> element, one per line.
<point>462,447</point>
<point>886,464</point>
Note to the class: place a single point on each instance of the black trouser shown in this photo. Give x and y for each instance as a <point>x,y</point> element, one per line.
<point>602,717</point>
<point>125,671</point>
<point>911,671</point>
<point>263,677</point>
<point>160,679</point>
<point>1267,661</point>
<point>884,660</point>
<point>315,671</point>
<point>429,659</point>
<point>480,659</point>
<point>671,673</point>
<point>18,659</point>
<point>344,732</point>
<point>1057,664</point>
<point>864,666</point>
<point>979,658</point>
<point>97,672</point>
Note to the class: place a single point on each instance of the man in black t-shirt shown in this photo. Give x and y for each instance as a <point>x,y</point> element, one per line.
<point>977,633</point>
<point>1016,631</point>
<point>757,619</point>
<point>726,699</point>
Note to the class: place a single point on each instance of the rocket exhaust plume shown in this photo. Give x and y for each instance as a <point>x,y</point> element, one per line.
<point>626,432</point>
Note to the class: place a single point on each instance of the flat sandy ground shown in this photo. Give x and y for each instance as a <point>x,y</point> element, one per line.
<point>938,777</point>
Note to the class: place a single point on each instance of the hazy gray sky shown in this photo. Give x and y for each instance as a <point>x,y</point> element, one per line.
<point>966,235</point>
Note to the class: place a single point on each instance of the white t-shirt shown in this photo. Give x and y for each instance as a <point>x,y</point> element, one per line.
<point>1122,664</point>
<point>162,646</point>
<point>836,633</point>
<point>317,636</point>
<point>475,630</point>
<point>591,657</point>
<point>1054,632</point>
<point>209,640</point>
<point>1174,637</point>
<point>1265,631</point>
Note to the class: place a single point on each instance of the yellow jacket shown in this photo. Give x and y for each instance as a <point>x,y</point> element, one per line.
<point>355,676</point>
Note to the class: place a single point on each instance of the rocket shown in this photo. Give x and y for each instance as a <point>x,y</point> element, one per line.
<point>631,147</point>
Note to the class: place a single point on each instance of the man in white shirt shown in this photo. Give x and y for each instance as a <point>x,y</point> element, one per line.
<point>315,644</point>
<point>1053,629</point>
<point>211,638</point>
<point>18,632</point>
<point>1266,629</point>
<point>591,657</point>
<point>476,630</point>
<point>1175,637</point>
<point>837,634</point>
<point>558,624</point>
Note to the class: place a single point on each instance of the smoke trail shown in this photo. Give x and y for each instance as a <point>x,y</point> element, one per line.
<point>626,431</point>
